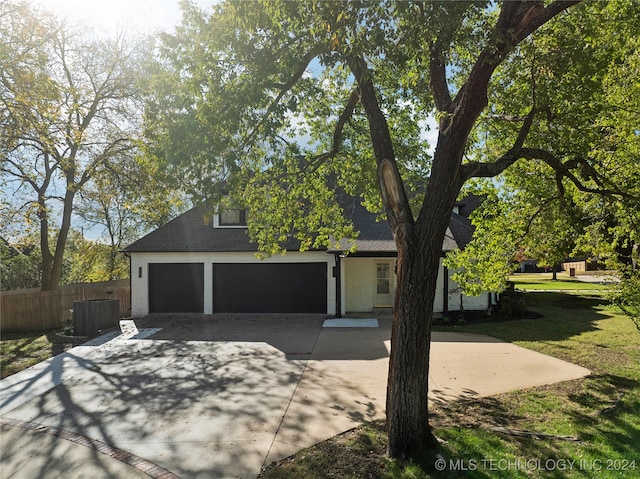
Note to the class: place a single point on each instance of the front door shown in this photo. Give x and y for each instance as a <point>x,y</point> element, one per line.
<point>383,294</point>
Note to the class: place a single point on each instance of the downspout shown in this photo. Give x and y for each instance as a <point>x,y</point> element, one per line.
<point>337,274</point>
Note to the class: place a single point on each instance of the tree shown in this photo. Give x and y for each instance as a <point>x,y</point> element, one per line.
<point>20,266</point>
<point>584,86</point>
<point>68,106</point>
<point>90,261</point>
<point>289,102</point>
<point>128,194</point>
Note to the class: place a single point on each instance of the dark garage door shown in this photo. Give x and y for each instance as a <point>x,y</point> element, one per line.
<point>176,288</point>
<point>270,288</point>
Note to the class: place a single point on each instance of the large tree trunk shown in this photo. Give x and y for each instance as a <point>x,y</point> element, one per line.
<point>419,256</point>
<point>52,264</point>
<point>408,383</point>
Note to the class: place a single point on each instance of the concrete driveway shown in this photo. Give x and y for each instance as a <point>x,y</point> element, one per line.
<point>220,396</point>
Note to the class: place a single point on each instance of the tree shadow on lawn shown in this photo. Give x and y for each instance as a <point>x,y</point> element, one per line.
<point>23,349</point>
<point>607,410</point>
<point>561,316</point>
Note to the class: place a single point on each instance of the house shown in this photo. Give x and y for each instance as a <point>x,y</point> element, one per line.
<point>200,264</point>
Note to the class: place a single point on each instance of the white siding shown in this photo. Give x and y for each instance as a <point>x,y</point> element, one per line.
<point>438,301</point>
<point>140,285</point>
<point>359,287</point>
<point>469,303</point>
<point>358,284</point>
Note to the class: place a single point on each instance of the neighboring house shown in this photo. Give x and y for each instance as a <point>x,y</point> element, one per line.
<point>200,264</point>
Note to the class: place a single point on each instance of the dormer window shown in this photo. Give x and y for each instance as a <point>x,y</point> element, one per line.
<point>233,217</point>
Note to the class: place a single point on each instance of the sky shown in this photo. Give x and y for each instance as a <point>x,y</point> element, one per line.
<point>103,16</point>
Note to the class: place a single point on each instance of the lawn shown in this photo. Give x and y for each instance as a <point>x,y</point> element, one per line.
<point>544,281</point>
<point>19,351</point>
<point>576,429</point>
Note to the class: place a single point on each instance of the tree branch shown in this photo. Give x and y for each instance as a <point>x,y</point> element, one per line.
<point>489,170</point>
<point>438,78</point>
<point>564,170</point>
<point>284,89</point>
<point>516,22</point>
<point>394,196</point>
<point>345,116</point>
<point>537,213</point>
<point>535,17</point>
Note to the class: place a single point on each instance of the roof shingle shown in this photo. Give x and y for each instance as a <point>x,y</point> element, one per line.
<point>193,231</point>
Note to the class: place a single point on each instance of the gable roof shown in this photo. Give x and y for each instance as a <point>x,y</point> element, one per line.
<point>193,231</point>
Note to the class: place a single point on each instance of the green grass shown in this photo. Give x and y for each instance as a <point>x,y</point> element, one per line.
<point>19,351</point>
<point>544,281</point>
<point>585,331</point>
<point>581,328</point>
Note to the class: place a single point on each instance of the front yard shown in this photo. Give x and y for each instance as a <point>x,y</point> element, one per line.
<point>577,429</point>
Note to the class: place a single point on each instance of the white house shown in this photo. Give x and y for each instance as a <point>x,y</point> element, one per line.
<point>196,263</point>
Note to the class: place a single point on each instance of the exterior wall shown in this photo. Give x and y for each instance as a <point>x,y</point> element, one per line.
<point>438,302</point>
<point>577,265</point>
<point>357,278</point>
<point>140,273</point>
<point>359,286</point>
<point>359,282</point>
<point>469,303</point>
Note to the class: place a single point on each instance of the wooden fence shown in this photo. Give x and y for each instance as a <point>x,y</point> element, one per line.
<point>35,310</point>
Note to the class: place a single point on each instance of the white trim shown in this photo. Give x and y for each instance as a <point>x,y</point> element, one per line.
<point>140,286</point>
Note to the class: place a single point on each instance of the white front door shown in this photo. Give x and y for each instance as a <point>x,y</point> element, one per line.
<point>383,294</point>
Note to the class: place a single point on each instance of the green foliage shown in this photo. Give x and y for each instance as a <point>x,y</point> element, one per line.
<point>257,89</point>
<point>90,261</point>
<point>626,294</point>
<point>486,262</point>
<point>20,265</point>
<point>586,97</point>
<point>70,103</point>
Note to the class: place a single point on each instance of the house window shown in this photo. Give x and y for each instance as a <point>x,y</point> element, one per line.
<point>233,217</point>
<point>382,278</point>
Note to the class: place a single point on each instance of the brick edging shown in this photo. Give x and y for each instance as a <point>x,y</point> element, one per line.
<point>147,467</point>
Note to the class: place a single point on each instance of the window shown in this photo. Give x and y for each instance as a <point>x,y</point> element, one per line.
<point>233,217</point>
<point>382,277</point>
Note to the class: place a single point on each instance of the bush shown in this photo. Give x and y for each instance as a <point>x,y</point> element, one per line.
<point>626,294</point>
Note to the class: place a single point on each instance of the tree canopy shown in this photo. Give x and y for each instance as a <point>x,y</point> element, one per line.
<point>70,104</point>
<point>581,74</point>
<point>282,104</point>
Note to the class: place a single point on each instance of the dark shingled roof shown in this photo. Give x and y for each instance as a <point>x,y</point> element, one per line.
<point>193,231</point>
<point>375,236</point>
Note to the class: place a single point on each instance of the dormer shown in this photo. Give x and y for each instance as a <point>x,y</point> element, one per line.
<point>230,218</point>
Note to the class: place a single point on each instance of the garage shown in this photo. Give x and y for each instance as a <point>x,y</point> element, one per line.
<point>176,287</point>
<point>270,287</point>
